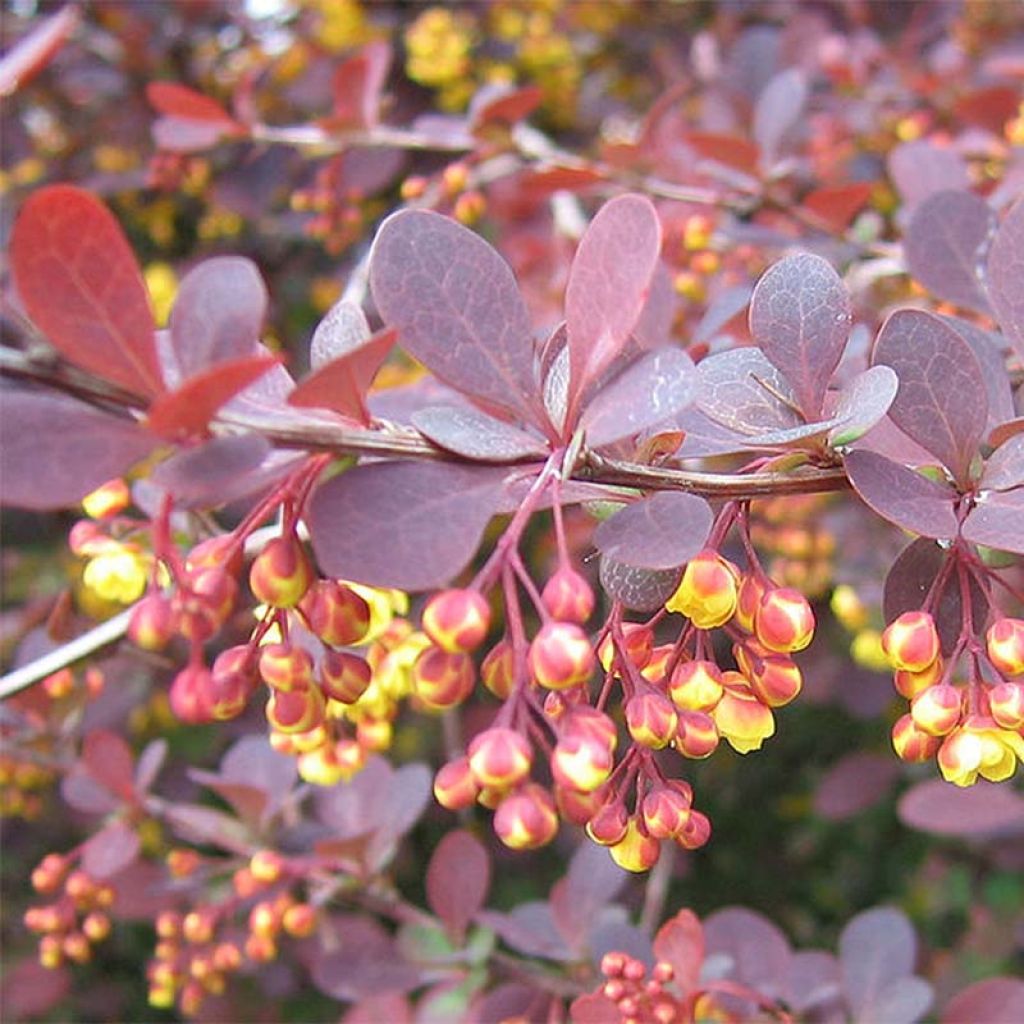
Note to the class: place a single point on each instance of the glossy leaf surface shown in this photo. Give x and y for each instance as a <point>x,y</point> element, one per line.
<point>997,521</point>
<point>942,402</point>
<point>742,390</point>
<point>79,281</point>
<point>800,317</point>
<point>662,531</point>
<point>402,524</point>
<point>457,308</point>
<point>862,403</point>
<point>344,327</point>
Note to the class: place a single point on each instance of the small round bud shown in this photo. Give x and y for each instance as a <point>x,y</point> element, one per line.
<point>909,684</point>
<point>609,825</point>
<point>204,602</point>
<point>335,613</point>
<point>455,785</point>
<point>527,819</point>
<point>748,596</point>
<point>221,552</point>
<point>568,596</point>
<point>299,920</point>
<point>696,832</point>
<point>107,500</point>
<point>911,743</point>
<point>561,656</point>
<point>1004,642</point>
<point>576,807</point>
<point>190,695</point>
<point>707,593</point>
<point>665,811</point>
<point>638,647</point>
<point>936,710</point>
<point>197,927</point>
<point>784,622</point>
<point>266,866</point>
<point>457,620</point>
<point>498,670</point>
<point>1006,702</point>
<point>281,573</point>
<point>635,851</point>
<point>500,758</point>
<point>581,762</point>
<point>152,623</point>
<point>442,679</point>
<point>696,685</point>
<point>344,677</point>
<point>651,719</point>
<point>296,710</point>
<point>775,679</point>
<point>232,682</point>
<point>286,667</point>
<point>911,641</point>
<point>96,926</point>
<point>697,735</point>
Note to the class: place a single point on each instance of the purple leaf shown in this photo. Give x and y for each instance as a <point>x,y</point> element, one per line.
<point>514,1000</point>
<point>984,810</point>
<point>1004,468</point>
<point>402,524</point>
<point>862,403</point>
<point>641,590</point>
<point>29,990</point>
<point>218,313</point>
<point>458,310</point>
<point>877,948</point>
<point>910,580</point>
<point>392,1007</point>
<point>723,308</point>
<point>612,931</point>
<point>942,402</point>
<point>1005,273</point>
<point>528,928</point>
<point>800,316</point>
<point>109,760</point>
<point>988,350</point>
<point>197,824</point>
<point>902,1001</point>
<point>997,520</point>
<point>108,851</point>
<point>742,390</point>
<point>151,760</point>
<point>758,952</point>
<point>994,999</point>
<point>813,986</point>
<point>593,1008</point>
<point>409,792</point>
<point>680,943</point>
<point>354,809</point>
<point>458,877</point>
<point>945,246</point>
<point>920,169</point>
<point>342,329</point>
<point>777,111</point>
<point>902,495</point>
<point>646,393</point>
<point>362,961</point>
<point>78,789</point>
<point>591,883</point>
<point>608,285</point>
<point>81,448</point>
<point>473,434</point>
<point>654,327</point>
<point>662,531</point>
<point>31,53</point>
<point>853,784</point>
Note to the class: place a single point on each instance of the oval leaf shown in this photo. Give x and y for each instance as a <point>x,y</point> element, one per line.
<point>800,316</point>
<point>777,110</point>
<point>903,496</point>
<point>402,524</point>
<point>646,393</point>
<point>662,531</point>
<point>1004,468</point>
<point>758,950</point>
<point>878,947</point>
<point>344,327</point>
<point>741,390</point>
<point>994,999</point>
<point>942,402</point>
<point>983,810</point>
<point>946,243</point>
<point>1005,273</point>
<point>458,877</point>
<point>475,435</point>
<point>110,850</point>
<point>457,308</point>
<point>862,403</point>
<point>80,283</point>
<point>609,280</point>
<point>921,168</point>
<point>30,54</point>
<point>997,521</point>
<point>79,446</point>
<point>641,590</point>
<point>680,942</point>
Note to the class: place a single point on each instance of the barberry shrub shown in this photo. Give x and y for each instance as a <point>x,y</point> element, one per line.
<point>570,515</point>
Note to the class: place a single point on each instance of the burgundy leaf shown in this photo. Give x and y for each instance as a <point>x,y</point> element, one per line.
<point>945,245</point>
<point>877,948</point>
<point>648,392</point>
<point>680,943</point>
<point>942,402</point>
<point>910,580</point>
<point>510,1000</point>
<point>79,281</point>
<point>109,760</point>
<point>457,308</point>
<point>249,803</point>
<point>813,986</point>
<point>341,384</point>
<point>218,313</point>
<point>503,104</point>
<point>741,390</point>
<point>214,472</point>
<point>30,54</point>
<point>1004,468</point>
<point>151,760</point>
<point>612,932</point>
<point>108,851</point>
<point>591,883</point>
<point>608,285</point>
<point>994,999</point>
<point>758,952</point>
<point>988,350</point>
<point>641,590</point>
<point>357,86</point>
<point>902,495</point>
<point>777,111</point>
<point>29,990</point>
<point>142,890</point>
<point>529,928</point>
<point>254,761</point>
<point>188,410</point>
<point>343,328</point>
<point>854,783</point>
<point>177,100</point>
<point>197,824</point>
<point>387,1006</point>
<point>800,316</point>
<point>473,434</point>
<point>1005,273</point>
<point>593,1008</point>
<point>458,877</point>
<point>662,531</point>
<point>730,303</point>
<point>862,403</point>
<point>984,810</point>
<point>402,524</point>
<point>356,809</point>
<point>362,962</point>
<point>1011,428</point>
<point>997,521</point>
<point>185,135</point>
<point>730,150</point>
<point>78,789</point>
<point>837,205</point>
<point>409,792</point>
<point>920,169</point>
<point>81,448</point>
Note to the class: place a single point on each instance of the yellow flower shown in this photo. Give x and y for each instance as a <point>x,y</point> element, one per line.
<point>980,748</point>
<point>117,575</point>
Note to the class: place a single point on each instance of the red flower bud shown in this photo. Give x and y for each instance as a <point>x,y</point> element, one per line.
<point>909,684</point>
<point>577,807</point>
<point>232,682</point>
<point>608,826</point>
<point>1006,702</point>
<point>560,656</point>
<point>748,596</point>
<point>455,786</point>
<point>1004,642</point>
<point>696,832</point>
<point>707,593</point>
<point>784,622</point>
<point>190,696</point>
<point>635,851</point>
<point>527,819</point>
<point>281,573</point>
<point>665,812</point>
<point>223,552</point>
<point>457,620</point>
<point>498,670</point>
<point>639,645</point>
<point>936,710</point>
<point>651,719</point>
<point>286,667</point>
<point>580,762</point>
<point>568,596</point>
<point>774,678</point>
<point>335,613</point>
<point>291,711</point>
<point>152,623</point>
<point>911,641</point>
<point>443,679</point>
<point>911,743</point>
<point>696,735</point>
<point>203,602</point>
<point>500,758</point>
<point>696,685</point>
<point>343,676</point>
